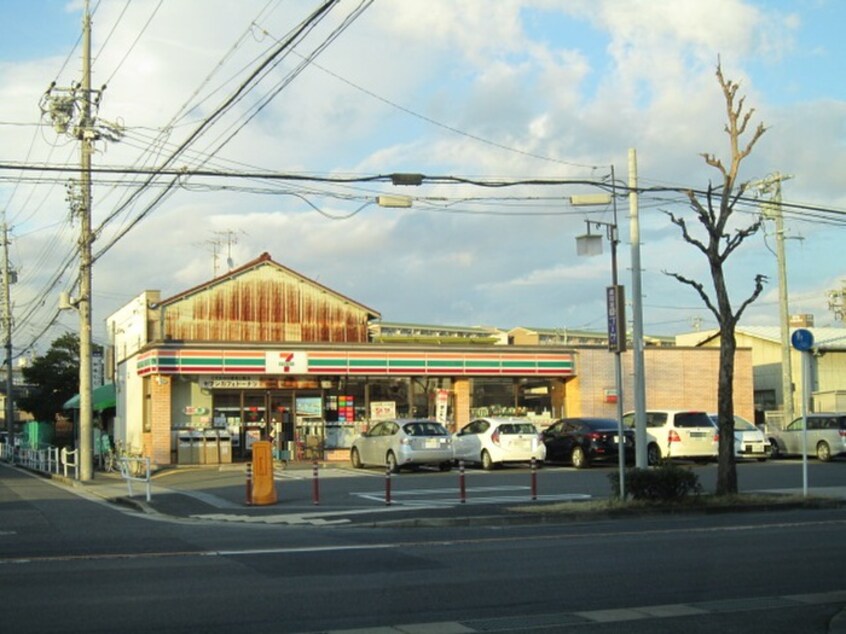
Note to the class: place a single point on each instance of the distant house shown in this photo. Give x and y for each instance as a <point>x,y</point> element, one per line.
<point>828,368</point>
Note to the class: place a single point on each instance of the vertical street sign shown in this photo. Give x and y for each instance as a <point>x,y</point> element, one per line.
<point>616,301</point>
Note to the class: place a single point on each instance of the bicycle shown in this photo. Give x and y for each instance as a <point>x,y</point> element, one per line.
<point>114,456</point>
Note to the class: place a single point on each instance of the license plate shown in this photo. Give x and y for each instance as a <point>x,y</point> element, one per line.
<point>698,434</point>
<point>432,443</point>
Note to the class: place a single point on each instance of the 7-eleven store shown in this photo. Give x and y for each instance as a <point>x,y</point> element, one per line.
<point>311,400</point>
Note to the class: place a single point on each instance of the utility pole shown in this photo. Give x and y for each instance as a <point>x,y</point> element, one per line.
<point>70,110</point>
<point>837,301</point>
<point>772,209</point>
<point>85,134</point>
<point>7,324</point>
<point>641,461</point>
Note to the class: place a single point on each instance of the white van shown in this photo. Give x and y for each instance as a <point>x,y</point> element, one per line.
<point>677,434</point>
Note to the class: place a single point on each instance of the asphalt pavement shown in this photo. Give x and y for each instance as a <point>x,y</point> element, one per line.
<point>219,494</point>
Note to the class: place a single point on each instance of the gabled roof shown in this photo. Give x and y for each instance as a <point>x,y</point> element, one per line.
<point>263,260</point>
<point>824,338</point>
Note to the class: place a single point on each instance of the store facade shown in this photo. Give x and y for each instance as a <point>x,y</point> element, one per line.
<point>263,353</point>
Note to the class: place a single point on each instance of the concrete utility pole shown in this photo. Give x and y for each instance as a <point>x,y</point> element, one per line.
<point>7,325</point>
<point>641,461</point>
<point>71,112</point>
<point>772,210</point>
<point>837,301</point>
<point>86,135</point>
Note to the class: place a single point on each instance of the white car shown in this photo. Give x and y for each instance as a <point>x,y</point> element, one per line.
<point>749,441</point>
<point>495,441</point>
<point>673,433</point>
<point>403,443</point>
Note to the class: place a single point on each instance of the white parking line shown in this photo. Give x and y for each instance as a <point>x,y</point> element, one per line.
<point>448,498</point>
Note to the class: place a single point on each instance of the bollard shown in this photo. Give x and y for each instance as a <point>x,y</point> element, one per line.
<point>534,479</point>
<point>315,494</point>
<point>461,488</point>
<point>249,483</point>
<point>388,485</point>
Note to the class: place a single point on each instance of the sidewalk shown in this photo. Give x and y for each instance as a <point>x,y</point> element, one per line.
<point>221,497</point>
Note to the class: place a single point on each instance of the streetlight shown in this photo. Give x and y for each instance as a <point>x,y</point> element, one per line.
<point>591,244</point>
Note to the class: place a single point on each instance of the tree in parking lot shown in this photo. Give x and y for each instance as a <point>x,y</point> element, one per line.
<point>714,210</point>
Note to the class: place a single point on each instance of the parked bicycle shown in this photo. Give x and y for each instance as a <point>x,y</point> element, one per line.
<point>114,455</point>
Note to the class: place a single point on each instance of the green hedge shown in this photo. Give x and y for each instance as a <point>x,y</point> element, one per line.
<point>665,483</point>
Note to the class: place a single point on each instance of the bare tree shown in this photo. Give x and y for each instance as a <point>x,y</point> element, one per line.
<point>714,210</point>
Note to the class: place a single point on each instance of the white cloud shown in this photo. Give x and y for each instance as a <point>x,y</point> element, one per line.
<point>578,82</point>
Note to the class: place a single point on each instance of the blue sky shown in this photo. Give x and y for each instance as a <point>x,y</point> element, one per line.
<point>513,89</point>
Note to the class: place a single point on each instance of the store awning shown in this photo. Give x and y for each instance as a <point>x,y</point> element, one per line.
<point>102,398</point>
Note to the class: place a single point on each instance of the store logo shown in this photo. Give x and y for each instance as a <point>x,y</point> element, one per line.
<point>287,360</point>
<point>286,363</point>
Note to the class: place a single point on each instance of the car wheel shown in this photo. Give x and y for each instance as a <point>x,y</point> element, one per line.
<point>578,458</point>
<point>355,459</point>
<point>823,452</point>
<point>653,454</point>
<point>487,461</point>
<point>391,462</point>
<point>445,466</point>
<point>775,452</point>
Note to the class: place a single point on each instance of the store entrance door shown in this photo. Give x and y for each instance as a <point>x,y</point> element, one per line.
<point>281,430</point>
<point>297,426</point>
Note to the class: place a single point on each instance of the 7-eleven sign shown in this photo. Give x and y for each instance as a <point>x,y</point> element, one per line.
<point>286,362</point>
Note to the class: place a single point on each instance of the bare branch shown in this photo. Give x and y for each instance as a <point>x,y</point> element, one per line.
<point>688,237</point>
<point>760,280</point>
<point>698,288</point>
<point>713,161</point>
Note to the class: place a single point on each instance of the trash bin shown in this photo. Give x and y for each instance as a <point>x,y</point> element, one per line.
<point>184,454</point>
<point>224,440</point>
<point>197,447</point>
<point>211,453</point>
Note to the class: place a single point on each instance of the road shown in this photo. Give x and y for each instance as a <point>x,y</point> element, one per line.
<point>72,565</point>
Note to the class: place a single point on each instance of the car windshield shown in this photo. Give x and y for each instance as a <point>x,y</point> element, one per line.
<point>517,428</point>
<point>741,424</point>
<point>425,429</point>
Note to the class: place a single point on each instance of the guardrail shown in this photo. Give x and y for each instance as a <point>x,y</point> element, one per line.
<point>135,470</point>
<point>47,459</point>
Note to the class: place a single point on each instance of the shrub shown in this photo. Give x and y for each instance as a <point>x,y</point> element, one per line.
<point>664,483</point>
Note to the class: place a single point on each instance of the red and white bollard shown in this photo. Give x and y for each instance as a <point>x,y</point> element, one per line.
<point>462,489</point>
<point>249,491</point>
<point>315,491</point>
<point>534,480</point>
<point>388,485</point>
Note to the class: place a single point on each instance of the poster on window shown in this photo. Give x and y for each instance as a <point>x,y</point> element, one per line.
<point>441,406</point>
<point>383,410</point>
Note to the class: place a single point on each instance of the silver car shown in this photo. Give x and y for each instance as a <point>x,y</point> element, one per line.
<point>403,443</point>
<point>826,436</point>
<point>749,441</point>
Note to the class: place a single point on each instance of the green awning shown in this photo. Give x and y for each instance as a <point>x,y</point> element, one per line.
<point>102,398</point>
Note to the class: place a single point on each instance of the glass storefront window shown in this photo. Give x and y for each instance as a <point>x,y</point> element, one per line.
<point>510,397</point>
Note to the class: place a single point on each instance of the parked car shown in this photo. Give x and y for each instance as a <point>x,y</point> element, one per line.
<point>403,443</point>
<point>582,441</point>
<point>749,441</point>
<point>494,441</point>
<point>826,436</point>
<point>677,434</point>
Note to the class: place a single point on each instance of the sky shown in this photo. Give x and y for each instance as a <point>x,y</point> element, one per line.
<point>469,93</point>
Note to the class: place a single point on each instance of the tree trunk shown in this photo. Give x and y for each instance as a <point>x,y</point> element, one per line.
<point>726,467</point>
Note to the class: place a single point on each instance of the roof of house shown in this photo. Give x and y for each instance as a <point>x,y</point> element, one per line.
<point>824,338</point>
